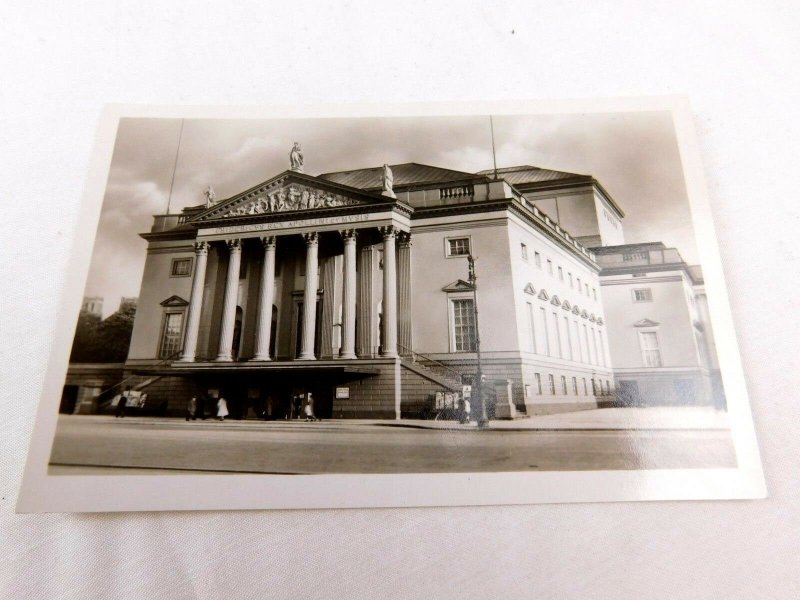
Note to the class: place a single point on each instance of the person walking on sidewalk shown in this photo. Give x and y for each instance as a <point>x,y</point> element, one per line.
<point>191,409</point>
<point>123,401</point>
<point>222,408</point>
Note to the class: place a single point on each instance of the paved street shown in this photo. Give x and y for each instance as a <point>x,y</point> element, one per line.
<point>84,444</point>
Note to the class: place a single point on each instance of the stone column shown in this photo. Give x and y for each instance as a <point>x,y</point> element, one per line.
<point>266,297</point>
<point>229,303</point>
<point>195,302</point>
<point>404,293</point>
<point>349,295</point>
<point>366,318</point>
<point>389,319</point>
<point>310,297</point>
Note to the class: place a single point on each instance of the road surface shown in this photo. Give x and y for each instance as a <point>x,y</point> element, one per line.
<point>376,447</point>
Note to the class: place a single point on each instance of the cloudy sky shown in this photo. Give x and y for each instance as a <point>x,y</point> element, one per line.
<point>634,155</point>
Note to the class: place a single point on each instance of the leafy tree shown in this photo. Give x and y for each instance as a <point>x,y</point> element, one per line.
<point>103,341</point>
<point>84,342</point>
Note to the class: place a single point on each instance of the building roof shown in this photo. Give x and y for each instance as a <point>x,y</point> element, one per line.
<point>404,174</point>
<point>529,174</point>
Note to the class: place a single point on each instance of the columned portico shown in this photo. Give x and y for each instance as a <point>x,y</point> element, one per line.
<point>266,299</point>
<point>229,303</point>
<point>389,321</point>
<point>195,302</point>
<point>349,295</point>
<point>310,296</point>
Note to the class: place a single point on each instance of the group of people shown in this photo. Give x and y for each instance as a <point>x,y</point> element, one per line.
<point>196,407</point>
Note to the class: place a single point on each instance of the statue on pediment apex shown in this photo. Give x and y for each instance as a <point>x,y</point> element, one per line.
<point>296,158</point>
<point>210,196</point>
<point>388,180</point>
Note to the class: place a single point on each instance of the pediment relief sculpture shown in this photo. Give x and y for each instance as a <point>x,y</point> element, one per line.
<point>286,199</point>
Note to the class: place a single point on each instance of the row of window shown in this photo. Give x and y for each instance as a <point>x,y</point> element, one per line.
<point>562,338</point>
<point>600,387</point>
<point>573,282</point>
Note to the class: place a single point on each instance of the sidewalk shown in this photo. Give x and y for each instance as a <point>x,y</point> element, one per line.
<point>657,418</point>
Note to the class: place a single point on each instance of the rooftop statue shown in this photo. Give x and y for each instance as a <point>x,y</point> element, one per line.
<point>388,180</point>
<point>210,196</point>
<point>296,158</point>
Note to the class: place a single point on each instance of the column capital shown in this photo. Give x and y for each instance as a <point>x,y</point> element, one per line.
<point>388,231</point>
<point>268,241</point>
<point>348,234</point>
<point>234,245</point>
<point>311,238</point>
<point>404,239</point>
<point>201,248</point>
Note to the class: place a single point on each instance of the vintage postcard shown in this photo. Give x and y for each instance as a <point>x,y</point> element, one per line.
<point>416,305</point>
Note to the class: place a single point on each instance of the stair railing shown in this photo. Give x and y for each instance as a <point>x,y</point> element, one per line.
<point>456,374</point>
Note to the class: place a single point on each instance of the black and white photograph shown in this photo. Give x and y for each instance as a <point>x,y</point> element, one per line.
<point>505,294</point>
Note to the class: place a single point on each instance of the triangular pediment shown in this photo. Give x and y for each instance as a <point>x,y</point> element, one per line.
<point>543,295</point>
<point>290,192</point>
<point>529,289</point>
<point>646,323</point>
<point>555,300</point>
<point>458,285</point>
<point>584,314</point>
<point>576,310</point>
<point>174,301</point>
<point>566,305</point>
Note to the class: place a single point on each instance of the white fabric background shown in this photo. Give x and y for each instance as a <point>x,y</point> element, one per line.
<point>59,64</point>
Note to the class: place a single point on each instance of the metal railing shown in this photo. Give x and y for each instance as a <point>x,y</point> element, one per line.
<point>122,383</point>
<point>422,359</point>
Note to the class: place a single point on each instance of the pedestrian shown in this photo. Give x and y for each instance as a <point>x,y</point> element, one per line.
<point>308,409</point>
<point>123,401</point>
<point>201,407</point>
<point>222,408</point>
<point>191,409</point>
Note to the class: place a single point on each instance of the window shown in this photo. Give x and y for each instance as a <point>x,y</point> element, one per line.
<point>458,246</point>
<point>594,293</point>
<point>594,388</point>
<point>643,295</point>
<point>171,335</point>
<point>569,338</point>
<point>602,348</point>
<point>575,385</point>
<point>524,250</point>
<point>537,259</point>
<point>181,267</point>
<point>463,325</point>
<point>561,273</point>
<point>585,389</point>
<point>546,337</point>
<point>564,385</point>
<point>527,391</point>
<point>531,328</point>
<point>570,279</point>
<point>538,384</point>
<point>587,289</point>
<point>557,335</point>
<point>549,266</point>
<point>579,285</point>
<point>552,381</point>
<point>651,354</point>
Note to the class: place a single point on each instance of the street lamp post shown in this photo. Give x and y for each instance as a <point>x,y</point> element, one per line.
<point>482,418</point>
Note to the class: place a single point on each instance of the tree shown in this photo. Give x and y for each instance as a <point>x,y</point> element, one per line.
<point>85,341</point>
<point>103,341</point>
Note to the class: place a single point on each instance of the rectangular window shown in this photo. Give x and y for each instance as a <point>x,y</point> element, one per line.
<point>546,335</point>
<point>564,385</point>
<point>181,267</point>
<point>527,391</point>
<point>575,385</point>
<point>561,273</point>
<point>594,346</point>
<point>538,384</point>
<point>557,336</point>
<point>458,246</point>
<point>537,259</point>
<point>524,251</point>
<point>585,389</point>
<point>602,348</point>
<point>171,336</point>
<point>651,354</point>
<point>594,388</point>
<point>588,347</point>
<point>587,289</point>
<point>569,338</point>
<point>578,342</point>
<point>552,382</point>
<point>570,279</point>
<point>594,293</point>
<point>463,325</point>
<point>579,285</point>
<point>549,266</point>
<point>643,295</point>
<point>531,328</point>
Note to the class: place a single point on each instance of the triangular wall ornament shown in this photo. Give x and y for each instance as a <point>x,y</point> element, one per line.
<point>174,301</point>
<point>566,305</point>
<point>592,318</point>
<point>529,289</point>
<point>543,295</point>
<point>646,323</point>
<point>599,320</point>
<point>555,300</point>
<point>576,310</point>
<point>584,314</point>
<point>459,285</point>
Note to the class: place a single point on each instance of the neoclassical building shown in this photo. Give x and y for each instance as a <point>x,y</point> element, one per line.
<point>352,288</point>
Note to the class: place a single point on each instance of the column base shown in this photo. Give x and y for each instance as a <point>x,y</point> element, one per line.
<point>306,357</point>
<point>186,359</point>
<point>348,356</point>
<point>389,355</point>
<point>224,359</point>
<point>260,359</point>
